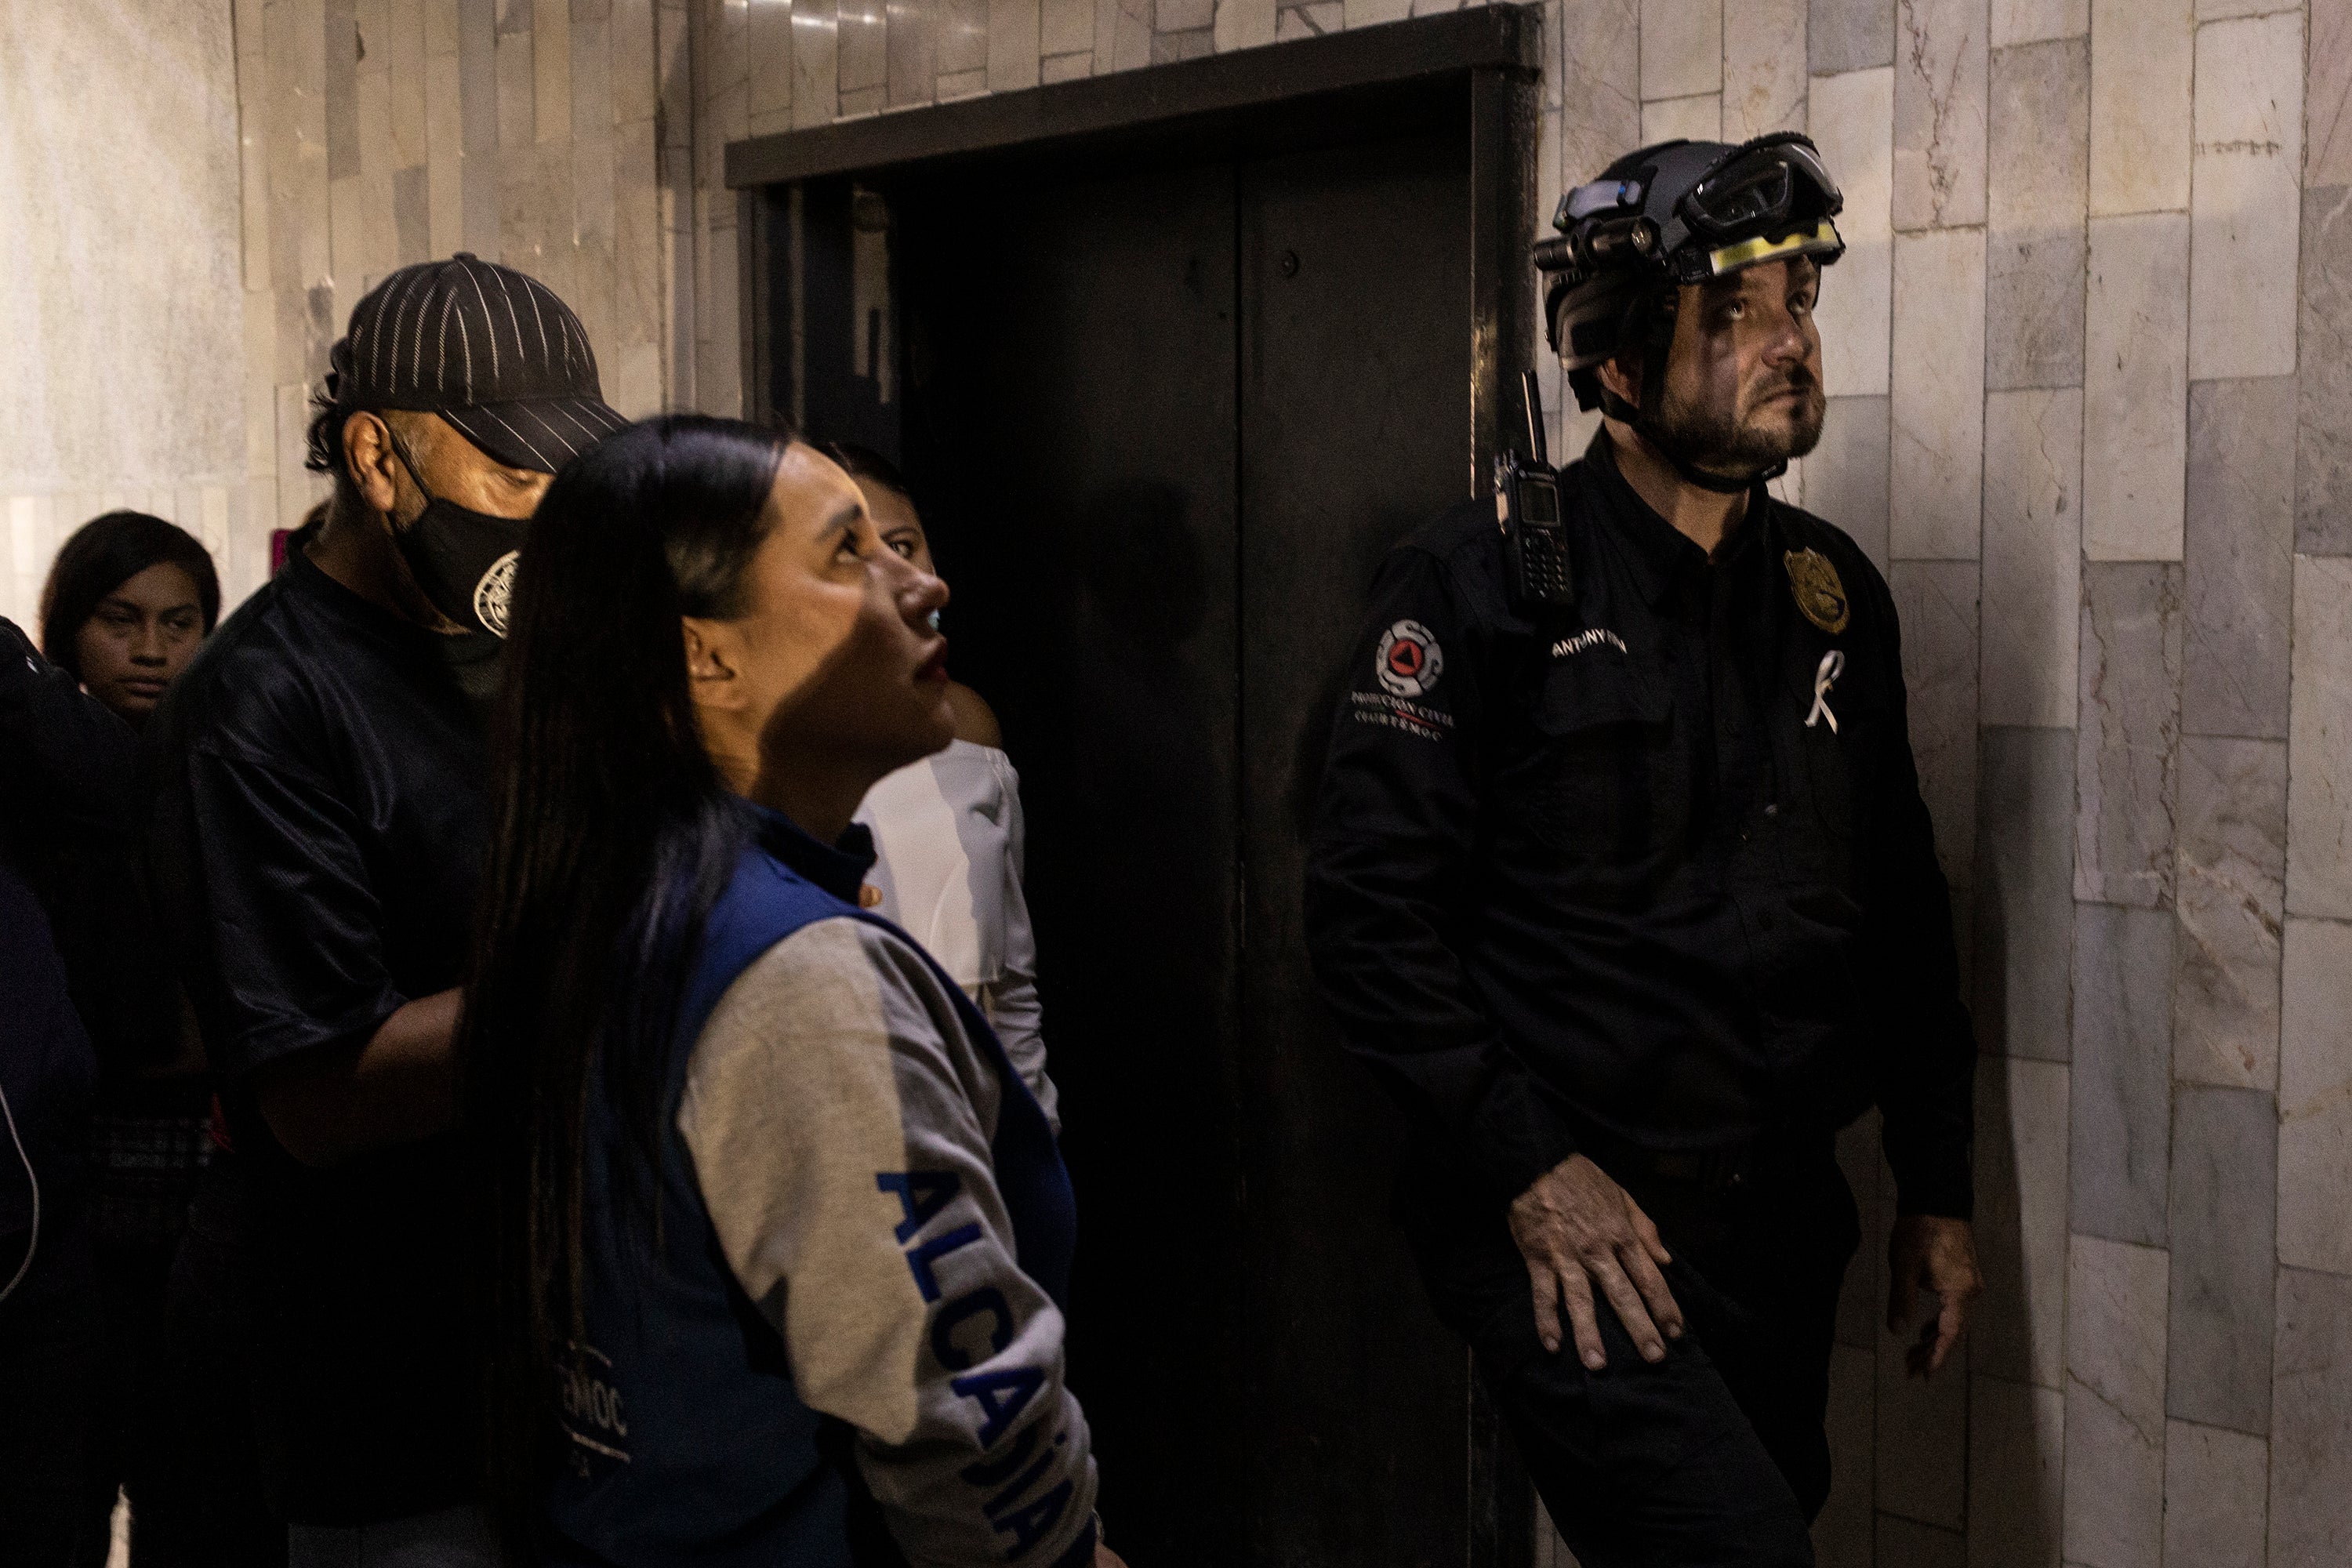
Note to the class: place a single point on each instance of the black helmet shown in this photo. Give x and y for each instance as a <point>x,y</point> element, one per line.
<point>1680,212</point>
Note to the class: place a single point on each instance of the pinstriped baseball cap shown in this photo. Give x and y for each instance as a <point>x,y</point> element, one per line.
<point>490,349</point>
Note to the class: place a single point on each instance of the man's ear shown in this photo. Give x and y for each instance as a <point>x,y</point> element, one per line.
<point>711,664</point>
<point>1622,376</point>
<point>368,454</point>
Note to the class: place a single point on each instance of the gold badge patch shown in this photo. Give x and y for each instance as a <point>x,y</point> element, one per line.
<point>1818,594</point>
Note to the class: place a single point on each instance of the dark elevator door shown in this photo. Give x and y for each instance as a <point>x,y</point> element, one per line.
<point>1167,421</point>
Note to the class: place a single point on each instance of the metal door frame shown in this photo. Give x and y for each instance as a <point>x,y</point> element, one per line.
<point>1248,98</point>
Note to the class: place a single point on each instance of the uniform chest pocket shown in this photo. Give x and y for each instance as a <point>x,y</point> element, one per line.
<point>1605,779</point>
<point>1839,769</point>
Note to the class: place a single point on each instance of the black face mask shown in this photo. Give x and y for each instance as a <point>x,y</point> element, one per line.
<point>464,560</point>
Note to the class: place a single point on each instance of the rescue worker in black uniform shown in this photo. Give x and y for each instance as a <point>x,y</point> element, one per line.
<point>1632,898</point>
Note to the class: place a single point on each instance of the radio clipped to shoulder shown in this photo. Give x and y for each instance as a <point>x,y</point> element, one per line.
<point>1527,508</point>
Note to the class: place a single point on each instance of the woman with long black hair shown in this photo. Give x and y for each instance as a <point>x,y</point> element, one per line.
<point>779,1238</point>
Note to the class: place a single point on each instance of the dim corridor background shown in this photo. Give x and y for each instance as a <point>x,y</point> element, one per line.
<point>2090,359</point>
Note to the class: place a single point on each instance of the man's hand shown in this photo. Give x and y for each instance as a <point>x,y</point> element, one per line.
<point>1105,1558</point>
<point>1576,1228</point>
<point>1939,1255</point>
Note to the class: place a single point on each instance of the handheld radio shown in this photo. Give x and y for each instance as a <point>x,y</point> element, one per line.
<point>1526,509</point>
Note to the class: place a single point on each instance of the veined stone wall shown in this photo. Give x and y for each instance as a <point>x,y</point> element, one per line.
<point>2091,364</point>
<point>118,215</point>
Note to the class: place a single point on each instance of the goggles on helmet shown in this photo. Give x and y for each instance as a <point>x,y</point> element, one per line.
<point>1764,199</point>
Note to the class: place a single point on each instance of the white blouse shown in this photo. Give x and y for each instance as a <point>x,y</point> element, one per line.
<point>949,838</point>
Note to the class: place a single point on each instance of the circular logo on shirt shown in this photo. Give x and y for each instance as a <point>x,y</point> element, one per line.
<point>1409,661</point>
<point>495,593</point>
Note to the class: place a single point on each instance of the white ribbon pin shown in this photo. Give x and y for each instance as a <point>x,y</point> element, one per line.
<point>1833,665</point>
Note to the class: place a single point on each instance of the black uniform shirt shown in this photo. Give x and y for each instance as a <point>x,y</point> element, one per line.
<point>317,839</point>
<point>1593,878</point>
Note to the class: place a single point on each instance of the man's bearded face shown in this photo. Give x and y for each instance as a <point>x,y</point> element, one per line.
<point>1743,386</point>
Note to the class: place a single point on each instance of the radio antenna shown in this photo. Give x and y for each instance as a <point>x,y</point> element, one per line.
<point>1534,397</point>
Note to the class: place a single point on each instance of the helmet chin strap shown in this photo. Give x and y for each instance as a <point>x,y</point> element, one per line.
<point>1643,426</point>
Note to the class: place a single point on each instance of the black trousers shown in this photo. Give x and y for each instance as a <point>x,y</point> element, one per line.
<point>1718,1456</point>
<point>53,1491</point>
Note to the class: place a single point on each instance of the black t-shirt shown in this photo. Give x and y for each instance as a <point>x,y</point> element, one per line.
<point>316,843</point>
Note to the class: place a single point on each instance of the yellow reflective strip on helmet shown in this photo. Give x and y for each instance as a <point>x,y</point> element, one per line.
<point>1747,252</point>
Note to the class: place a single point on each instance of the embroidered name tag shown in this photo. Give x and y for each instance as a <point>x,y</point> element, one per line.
<point>1587,639</point>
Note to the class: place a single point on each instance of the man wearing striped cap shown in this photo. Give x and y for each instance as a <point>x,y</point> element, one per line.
<point>317,834</point>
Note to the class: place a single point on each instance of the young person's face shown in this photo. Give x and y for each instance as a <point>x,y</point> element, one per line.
<point>895,520</point>
<point>141,636</point>
<point>834,663</point>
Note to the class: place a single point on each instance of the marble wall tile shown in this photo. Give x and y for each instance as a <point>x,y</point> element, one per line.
<point>551,57</point>
<point>2240,556</point>
<point>2024,885</point>
<point>2216,1485</point>
<point>1936,601</point>
<point>1065,26</point>
<point>636,87</point>
<point>2319,741</point>
<point>2130,721</point>
<point>2019,1328</point>
<point>1122,35</point>
<point>2223,1236</point>
<point>964,35</point>
<point>1849,35</point>
<point>2017,1473</point>
<point>2230,900</point>
<point>1937,387</point>
<point>2327,96</point>
<point>816,61</point>
<point>2033,21</point>
<point>2115,1404</point>
<point>1922,1441</point>
<point>1372,13</point>
<point>2315,1097</point>
<point>1682,48</point>
<point>862,45</point>
<point>2033,556</point>
<point>412,218</point>
<point>2322,445</point>
<point>768,63</point>
<point>1600,91</point>
<point>910,46</point>
<point>1845,476</point>
<point>1763,68</point>
<point>342,102</point>
<point>1247,24</point>
<point>2119,1097</point>
<point>2035,247</point>
<point>1014,29</point>
<point>2143,55</point>
<point>1853,120</point>
<point>2245,197</point>
<point>403,55</point>
<point>478,108</point>
<point>1069,67</point>
<point>1919,1545</point>
<point>517,76</point>
<point>1841,1535</point>
<point>2311,1422</point>
<point>1939,113</point>
<point>2135,387</point>
<point>1700,119</point>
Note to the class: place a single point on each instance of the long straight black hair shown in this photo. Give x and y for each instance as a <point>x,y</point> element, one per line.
<point>611,836</point>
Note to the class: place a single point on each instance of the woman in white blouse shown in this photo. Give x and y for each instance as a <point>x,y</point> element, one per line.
<point>948,832</point>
